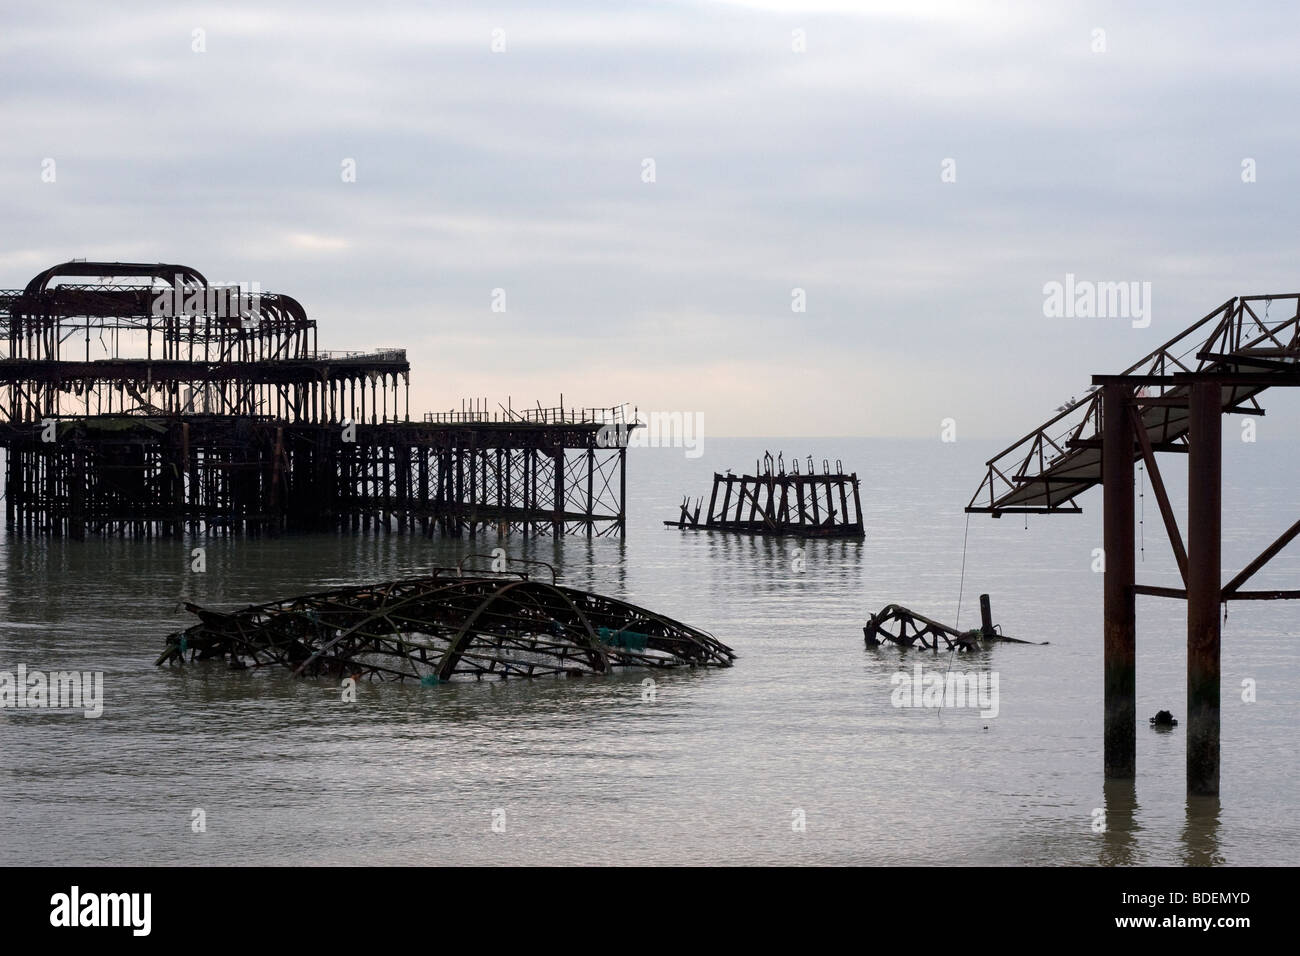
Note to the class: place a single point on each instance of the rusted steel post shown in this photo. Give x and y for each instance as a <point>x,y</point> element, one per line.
<point>622,488</point>
<point>1204,542</point>
<point>471,502</point>
<point>11,486</point>
<point>1120,674</point>
<point>726,504</point>
<point>591,484</point>
<point>557,522</point>
<point>986,616</point>
<point>76,487</point>
<point>713,497</point>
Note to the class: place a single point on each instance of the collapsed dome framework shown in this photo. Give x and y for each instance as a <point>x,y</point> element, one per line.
<point>446,626</point>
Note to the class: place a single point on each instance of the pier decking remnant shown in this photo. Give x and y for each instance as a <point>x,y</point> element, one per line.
<point>774,501</point>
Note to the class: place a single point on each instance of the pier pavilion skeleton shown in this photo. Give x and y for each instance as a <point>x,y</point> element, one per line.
<point>451,624</point>
<point>119,420</point>
<point>1172,400</point>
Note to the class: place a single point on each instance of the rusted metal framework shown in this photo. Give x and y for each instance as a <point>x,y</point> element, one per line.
<point>772,501</point>
<point>452,624</point>
<point>482,476</point>
<point>896,624</point>
<point>1172,400</point>
<point>904,627</point>
<point>141,399</point>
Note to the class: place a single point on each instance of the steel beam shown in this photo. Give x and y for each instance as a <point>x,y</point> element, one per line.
<point>1120,674</point>
<point>1204,544</point>
<point>1162,499</point>
<point>1233,586</point>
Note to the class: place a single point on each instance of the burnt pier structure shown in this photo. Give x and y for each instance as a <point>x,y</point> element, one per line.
<point>452,624</point>
<point>1171,401</point>
<point>140,399</point>
<point>774,501</point>
<point>902,626</point>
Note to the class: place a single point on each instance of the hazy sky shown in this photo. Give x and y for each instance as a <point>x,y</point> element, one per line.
<point>774,169</point>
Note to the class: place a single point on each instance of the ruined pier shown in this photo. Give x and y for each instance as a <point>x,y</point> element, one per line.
<point>774,501</point>
<point>148,401</point>
<point>1172,401</point>
<point>450,624</point>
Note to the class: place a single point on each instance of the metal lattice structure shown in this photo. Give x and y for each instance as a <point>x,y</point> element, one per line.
<point>449,625</point>
<point>896,624</point>
<point>1047,469</point>
<point>1172,400</point>
<point>148,400</point>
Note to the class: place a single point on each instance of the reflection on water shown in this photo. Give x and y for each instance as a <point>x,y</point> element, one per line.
<point>1119,848</point>
<point>710,770</point>
<point>1201,832</point>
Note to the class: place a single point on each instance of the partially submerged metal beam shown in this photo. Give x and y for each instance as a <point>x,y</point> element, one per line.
<point>904,627</point>
<point>1119,665</point>
<point>1204,543</point>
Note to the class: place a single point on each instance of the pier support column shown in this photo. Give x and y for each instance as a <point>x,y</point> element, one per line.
<point>557,523</point>
<point>622,490</point>
<point>1120,721</point>
<point>1204,543</point>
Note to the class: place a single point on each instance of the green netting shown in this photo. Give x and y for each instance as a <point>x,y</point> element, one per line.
<point>630,640</point>
<point>115,424</point>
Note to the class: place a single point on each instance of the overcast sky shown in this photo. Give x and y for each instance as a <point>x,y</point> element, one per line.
<point>774,169</point>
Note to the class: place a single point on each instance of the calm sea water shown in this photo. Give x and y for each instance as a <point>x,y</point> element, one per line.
<point>722,765</point>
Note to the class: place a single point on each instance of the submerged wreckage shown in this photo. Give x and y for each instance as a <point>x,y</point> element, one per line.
<point>770,501</point>
<point>904,627</point>
<point>449,624</point>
